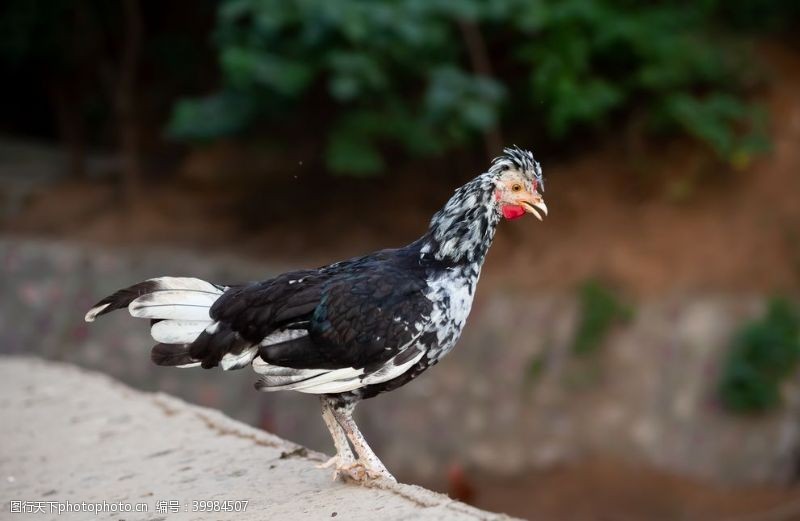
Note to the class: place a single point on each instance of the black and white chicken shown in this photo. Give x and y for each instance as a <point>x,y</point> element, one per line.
<point>350,330</point>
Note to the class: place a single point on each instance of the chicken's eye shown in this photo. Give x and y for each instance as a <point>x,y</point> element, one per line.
<point>516,187</point>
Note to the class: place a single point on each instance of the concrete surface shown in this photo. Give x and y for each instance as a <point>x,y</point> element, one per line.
<point>73,435</point>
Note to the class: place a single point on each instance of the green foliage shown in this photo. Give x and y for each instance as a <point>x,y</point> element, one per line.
<point>535,369</point>
<point>763,354</point>
<point>220,114</point>
<point>591,59</point>
<point>713,119</point>
<point>392,68</point>
<point>399,72</point>
<point>600,310</point>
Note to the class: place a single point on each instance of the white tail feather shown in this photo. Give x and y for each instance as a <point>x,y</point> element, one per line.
<point>187,283</point>
<point>92,313</point>
<point>177,331</point>
<point>174,304</point>
<point>232,361</point>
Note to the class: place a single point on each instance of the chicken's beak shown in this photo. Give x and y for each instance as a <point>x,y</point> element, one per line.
<point>534,205</point>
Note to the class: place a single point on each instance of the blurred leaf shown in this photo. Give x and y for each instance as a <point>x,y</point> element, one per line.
<point>352,156</point>
<point>535,369</point>
<point>600,310</point>
<point>733,129</point>
<point>746,390</point>
<point>762,355</point>
<point>208,118</point>
<point>247,69</point>
<point>353,74</point>
<point>459,101</point>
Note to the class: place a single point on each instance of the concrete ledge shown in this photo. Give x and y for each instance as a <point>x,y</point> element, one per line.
<point>72,435</point>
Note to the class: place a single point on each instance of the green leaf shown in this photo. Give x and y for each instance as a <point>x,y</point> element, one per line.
<point>203,119</point>
<point>731,127</point>
<point>348,155</point>
<point>600,310</point>
<point>763,354</point>
<point>246,69</point>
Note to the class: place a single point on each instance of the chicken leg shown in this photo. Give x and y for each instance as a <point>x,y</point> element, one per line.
<point>344,456</point>
<point>367,467</point>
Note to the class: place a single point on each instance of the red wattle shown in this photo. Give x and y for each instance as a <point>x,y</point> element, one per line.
<point>512,212</point>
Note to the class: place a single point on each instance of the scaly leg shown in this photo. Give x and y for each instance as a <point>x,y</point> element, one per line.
<point>367,467</point>
<point>344,458</point>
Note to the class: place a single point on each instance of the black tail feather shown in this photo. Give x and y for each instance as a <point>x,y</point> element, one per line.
<point>171,354</point>
<point>211,347</point>
<point>121,299</point>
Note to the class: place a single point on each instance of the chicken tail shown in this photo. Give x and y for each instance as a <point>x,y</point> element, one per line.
<point>178,308</point>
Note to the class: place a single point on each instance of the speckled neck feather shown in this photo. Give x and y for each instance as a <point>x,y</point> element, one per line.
<point>463,230</point>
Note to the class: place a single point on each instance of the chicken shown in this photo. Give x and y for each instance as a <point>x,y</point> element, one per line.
<point>350,330</point>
